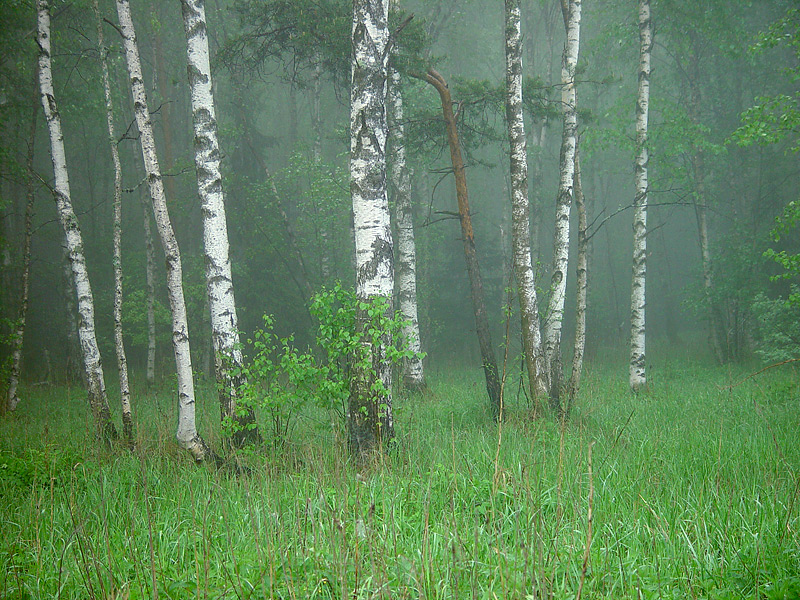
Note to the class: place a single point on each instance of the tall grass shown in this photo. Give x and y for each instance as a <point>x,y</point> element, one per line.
<point>695,496</point>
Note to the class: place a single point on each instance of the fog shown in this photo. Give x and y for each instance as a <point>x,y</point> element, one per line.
<point>706,72</point>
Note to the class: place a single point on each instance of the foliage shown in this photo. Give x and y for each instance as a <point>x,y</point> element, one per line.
<point>773,118</point>
<point>778,332</point>
<point>788,260</point>
<point>284,381</point>
<point>303,34</point>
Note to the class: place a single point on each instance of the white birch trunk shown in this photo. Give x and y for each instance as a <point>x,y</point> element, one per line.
<point>520,210</point>
<point>86,330</point>
<point>186,434</point>
<point>582,287</point>
<point>12,398</point>
<point>119,345</point>
<point>219,281</point>
<point>406,270</point>
<point>638,377</point>
<point>369,414</point>
<point>150,283</point>
<point>558,284</point>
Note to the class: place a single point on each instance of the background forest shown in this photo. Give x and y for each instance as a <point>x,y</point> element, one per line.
<point>693,489</point>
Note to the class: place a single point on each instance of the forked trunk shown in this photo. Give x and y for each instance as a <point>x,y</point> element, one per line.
<point>558,284</point>
<point>406,269</point>
<point>520,212</point>
<point>186,434</point>
<point>92,362</point>
<point>228,360</point>
<point>638,376</point>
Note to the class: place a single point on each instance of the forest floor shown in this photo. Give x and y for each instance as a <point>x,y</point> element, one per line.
<point>693,489</point>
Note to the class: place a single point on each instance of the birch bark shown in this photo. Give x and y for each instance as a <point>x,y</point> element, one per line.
<point>119,344</point>
<point>558,284</point>
<point>406,271</point>
<point>582,287</point>
<point>150,283</point>
<point>186,434</point>
<point>637,375</point>
<point>520,211</point>
<point>92,362</point>
<point>219,281</point>
<point>369,418</point>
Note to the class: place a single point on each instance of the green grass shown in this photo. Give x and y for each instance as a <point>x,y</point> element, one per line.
<point>695,496</point>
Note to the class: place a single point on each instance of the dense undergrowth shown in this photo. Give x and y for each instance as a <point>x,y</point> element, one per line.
<point>695,495</point>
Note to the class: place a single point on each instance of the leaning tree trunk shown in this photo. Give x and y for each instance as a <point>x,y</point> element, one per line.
<point>12,398</point>
<point>638,376</point>
<point>582,287</point>
<point>86,331</point>
<point>406,271</point>
<point>473,268</point>
<point>186,433</point>
<point>520,211</point>
<point>369,415</point>
<point>119,345</point>
<point>558,285</point>
<point>228,360</point>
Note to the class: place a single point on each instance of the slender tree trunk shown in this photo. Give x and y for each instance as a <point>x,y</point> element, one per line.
<point>74,370</point>
<point>473,268</point>
<point>150,283</point>
<point>12,398</point>
<point>582,287</point>
<point>520,212</point>
<point>165,109</point>
<point>370,419</point>
<point>558,285</point>
<point>540,132</point>
<point>219,281</point>
<point>186,434</point>
<point>86,331</point>
<point>406,271</point>
<point>119,345</point>
<point>638,376</point>
<point>717,332</point>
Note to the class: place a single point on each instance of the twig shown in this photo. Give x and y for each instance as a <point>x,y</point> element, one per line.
<point>588,527</point>
<point>767,368</point>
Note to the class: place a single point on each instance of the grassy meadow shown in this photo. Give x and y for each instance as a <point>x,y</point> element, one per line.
<point>693,489</point>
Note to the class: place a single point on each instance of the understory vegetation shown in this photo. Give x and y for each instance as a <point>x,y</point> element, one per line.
<point>693,487</point>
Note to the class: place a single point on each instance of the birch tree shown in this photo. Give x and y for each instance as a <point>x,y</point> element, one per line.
<point>582,286</point>
<point>558,283</point>
<point>369,415</point>
<point>92,361</point>
<point>186,434</point>
<point>219,280</point>
<point>638,376</point>
<point>150,284</point>
<point>406,269</point>
<point>119,344</point>
<point>520,211</point>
